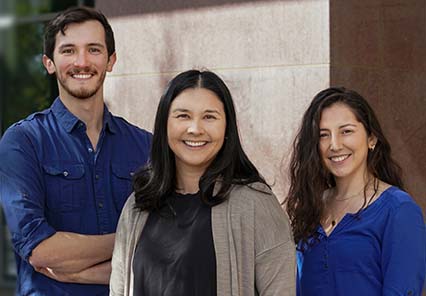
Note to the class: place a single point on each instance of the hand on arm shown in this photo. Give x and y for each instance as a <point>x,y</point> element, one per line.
<point>97,274</point>
<point>66,252</point>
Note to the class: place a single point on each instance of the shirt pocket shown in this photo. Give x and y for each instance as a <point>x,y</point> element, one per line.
<point>122,176</point>
<point>66,187</point>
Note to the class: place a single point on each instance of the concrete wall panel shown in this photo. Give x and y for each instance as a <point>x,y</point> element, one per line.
<point>251,35</point>
<point>269,104</point>
<point>274,56</point>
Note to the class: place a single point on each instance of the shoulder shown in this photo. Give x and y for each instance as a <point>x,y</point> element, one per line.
<point>127,127</point>
<point>257,206</point>
<point>21,131</point>
<point>400,205</point>
<point>249,195</point>
<point>129,211</point>
<point>395,198</point>
<point>31,121</point>
<point>256,199</point>
<point>250,191</point>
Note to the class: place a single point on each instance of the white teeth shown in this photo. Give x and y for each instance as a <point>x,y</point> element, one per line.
<point>82,76</point>
<point>195,144</point>
<point>339,158</point>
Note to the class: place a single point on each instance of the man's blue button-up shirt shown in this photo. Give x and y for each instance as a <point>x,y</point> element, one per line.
<point>52,179</point>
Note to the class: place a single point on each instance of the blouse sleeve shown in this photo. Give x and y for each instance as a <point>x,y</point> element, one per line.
<point>403,252</point>
<point>120,255</point>
<point>275,258</point>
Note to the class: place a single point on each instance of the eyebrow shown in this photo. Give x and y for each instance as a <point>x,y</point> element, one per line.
<point>346,125</point>
<point>96,44</point>
<point>212,111</point>
<point>62,46</point>
<point>342,126</point>
<point>187,110</point>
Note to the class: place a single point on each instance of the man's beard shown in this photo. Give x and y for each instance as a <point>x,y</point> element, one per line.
<point>83,93</point>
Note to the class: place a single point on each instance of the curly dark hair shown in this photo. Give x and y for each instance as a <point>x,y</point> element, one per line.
<point>154,183</point>
<point>309,178</point>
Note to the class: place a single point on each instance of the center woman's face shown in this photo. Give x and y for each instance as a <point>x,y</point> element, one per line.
<point>196,129</point>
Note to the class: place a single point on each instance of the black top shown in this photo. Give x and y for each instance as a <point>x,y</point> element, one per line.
<point>175,254</point>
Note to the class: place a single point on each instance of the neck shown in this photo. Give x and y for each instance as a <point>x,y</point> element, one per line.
<point>188,179</point>
<point>350,187</point>
<point>90,110</point>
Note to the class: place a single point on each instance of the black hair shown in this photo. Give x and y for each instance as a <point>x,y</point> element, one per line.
<point>157,181</point>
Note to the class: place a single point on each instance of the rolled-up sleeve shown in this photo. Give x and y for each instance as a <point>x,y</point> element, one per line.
<point>22,192</point>
<point>403,256</point>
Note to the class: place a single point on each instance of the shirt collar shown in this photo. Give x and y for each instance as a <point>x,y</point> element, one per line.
<point>109,123</point>
<point>69,120</point>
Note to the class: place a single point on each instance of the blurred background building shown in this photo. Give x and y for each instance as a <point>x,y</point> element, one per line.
<point>274,55</point>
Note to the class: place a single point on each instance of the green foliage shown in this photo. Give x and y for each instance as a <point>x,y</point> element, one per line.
<point>27,89</point>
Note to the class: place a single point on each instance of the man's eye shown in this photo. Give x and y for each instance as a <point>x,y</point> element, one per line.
<point>94,50</point>
<point>67,51</point>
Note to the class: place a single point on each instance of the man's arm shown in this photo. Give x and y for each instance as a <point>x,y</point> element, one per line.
<point>68,252</point>
<point>22,192</point>
<point>97,274</point>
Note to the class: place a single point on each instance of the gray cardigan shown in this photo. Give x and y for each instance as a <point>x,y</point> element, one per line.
<point>255,254</point>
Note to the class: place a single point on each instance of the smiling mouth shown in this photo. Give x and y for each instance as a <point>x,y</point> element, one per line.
<point>81,76</point>
<point>195,144</point>
<point>339,158</point>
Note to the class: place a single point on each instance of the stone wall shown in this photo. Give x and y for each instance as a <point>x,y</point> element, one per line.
<point>274,56</point>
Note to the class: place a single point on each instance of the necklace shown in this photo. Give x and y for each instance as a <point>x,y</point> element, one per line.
<point>365,204</point>
<point>349,197</point>
<point>334,221</point>
<point>346,198</point>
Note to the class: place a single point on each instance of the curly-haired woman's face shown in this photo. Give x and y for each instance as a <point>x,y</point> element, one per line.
<point>196,129</point>
<point>344,142</point>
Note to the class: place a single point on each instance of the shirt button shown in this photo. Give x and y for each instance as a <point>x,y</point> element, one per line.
<point>65,173</point>
<point>101,205</point>
<point>90,150</point>
<point>97,177</point>
<point>326,266</point>
<point>132,174</point>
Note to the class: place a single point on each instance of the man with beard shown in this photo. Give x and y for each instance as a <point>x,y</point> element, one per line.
<point>65,172</point>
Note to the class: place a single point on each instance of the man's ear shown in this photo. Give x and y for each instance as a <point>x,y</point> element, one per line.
<point>49,64</point>
<point>111,61</point>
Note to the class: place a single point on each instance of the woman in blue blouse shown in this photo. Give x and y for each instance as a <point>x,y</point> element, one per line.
<point>357,231</point>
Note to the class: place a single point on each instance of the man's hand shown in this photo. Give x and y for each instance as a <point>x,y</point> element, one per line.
<point>97,274</point>
<point>68,253</point>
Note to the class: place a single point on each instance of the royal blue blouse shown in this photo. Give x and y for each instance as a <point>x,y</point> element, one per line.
<point>381,251</point>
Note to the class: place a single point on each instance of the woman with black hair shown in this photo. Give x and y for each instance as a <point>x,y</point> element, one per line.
<point>202,221</point>
<point>358,232</point>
